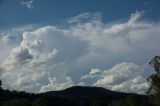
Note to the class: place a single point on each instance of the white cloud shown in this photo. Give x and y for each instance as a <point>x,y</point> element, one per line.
<point>124,77</point>
<point>27,3</point>
<point>92,74</point>
<point>85,17</point>
<point>4,38</point>
<point>94,71</point>
<point>88,44</point>
<point>18,56</point>
<point>11,38</point>
<point>29,63</point>
<point>54,85</point>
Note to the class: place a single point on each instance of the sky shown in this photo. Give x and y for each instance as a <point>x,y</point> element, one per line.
<point>50,45</point>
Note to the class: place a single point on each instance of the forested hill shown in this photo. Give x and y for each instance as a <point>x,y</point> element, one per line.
<point>74,96</point>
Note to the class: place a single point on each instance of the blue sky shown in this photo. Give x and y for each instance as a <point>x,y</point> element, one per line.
<point>53,44</point>
<point>56,11</point>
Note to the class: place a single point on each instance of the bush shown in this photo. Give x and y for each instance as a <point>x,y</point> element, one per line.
<point>17,102</point>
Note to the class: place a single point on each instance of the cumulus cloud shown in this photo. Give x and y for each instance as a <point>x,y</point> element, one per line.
<point>11,38</point>
<point>92,74</point>
<point>55,85</point>
<point>124,77</point>
<point>18,56</point>
<point>33,59</point>
<point>50,55</point>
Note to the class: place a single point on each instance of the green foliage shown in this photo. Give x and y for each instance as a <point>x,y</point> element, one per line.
<point>1,87</point>
<point>154,82</point>
<point>130,100</point>
<point>154,100</point>
<point>17,102</point>
<point>38,102</point>
<point>94,103</point>
<point>0,83</point>
<point>155,62</point>
<point>117,103</point>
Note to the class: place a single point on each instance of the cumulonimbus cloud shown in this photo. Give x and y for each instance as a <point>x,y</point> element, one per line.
<point>50,55</point>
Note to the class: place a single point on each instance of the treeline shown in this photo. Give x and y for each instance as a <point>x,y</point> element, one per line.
<point>87,96</point>
<point>94,97</point>
<point>15,98</point>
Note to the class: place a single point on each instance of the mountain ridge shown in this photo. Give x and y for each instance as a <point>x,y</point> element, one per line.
<point>73,96</point>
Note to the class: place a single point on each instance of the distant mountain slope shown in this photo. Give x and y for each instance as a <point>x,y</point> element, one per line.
<point>89,94</point>
<point>74,96</point>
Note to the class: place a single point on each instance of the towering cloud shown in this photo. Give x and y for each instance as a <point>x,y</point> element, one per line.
<point>87,52</point>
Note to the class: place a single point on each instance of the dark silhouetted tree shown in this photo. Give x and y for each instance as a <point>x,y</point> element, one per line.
<point>154,82</point>
<point>38,102</point>
<point>17,102</point>
<point>130,100</point>
<point>1,89</point>
<point>154,79</point>
<point>0,83</point>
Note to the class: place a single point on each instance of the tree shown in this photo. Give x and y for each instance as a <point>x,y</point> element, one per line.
<point>154,79</point>
<point>17,102</point>
<point>94,103</point>
<point>1,89</point>
<point>154,82</point>
<point>130,100</point>
<point>0,83</point>
<point>38,102</point>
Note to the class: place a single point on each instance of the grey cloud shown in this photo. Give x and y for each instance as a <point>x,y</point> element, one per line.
<point>88,45</point>
<point>92,74</point>
<point>18,56</point>
<point>124,77</point>
<point>55,85</point>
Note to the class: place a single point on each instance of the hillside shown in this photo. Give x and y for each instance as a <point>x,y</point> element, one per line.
<point>74,96</point>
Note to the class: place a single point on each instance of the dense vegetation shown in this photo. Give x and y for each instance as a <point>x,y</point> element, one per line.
<point>87,96</point>
<point>74,96</point>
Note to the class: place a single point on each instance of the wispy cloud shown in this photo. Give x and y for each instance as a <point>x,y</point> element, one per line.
<point>27,3</point>
<point>85,17</point>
